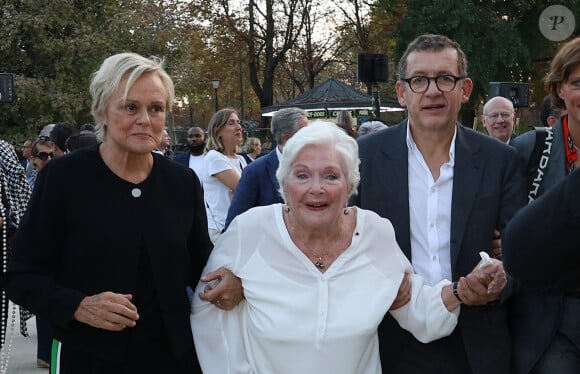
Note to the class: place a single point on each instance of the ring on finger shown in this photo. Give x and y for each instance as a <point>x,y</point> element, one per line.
<point>218,303</point>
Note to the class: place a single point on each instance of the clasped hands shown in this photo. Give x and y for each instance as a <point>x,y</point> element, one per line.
<point>482,286</point>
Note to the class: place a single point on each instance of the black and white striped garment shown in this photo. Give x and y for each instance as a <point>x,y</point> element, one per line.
<point>14,192</point>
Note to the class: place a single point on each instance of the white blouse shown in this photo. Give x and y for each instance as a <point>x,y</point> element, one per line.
<point>296,319</point>
<point>218,196</point>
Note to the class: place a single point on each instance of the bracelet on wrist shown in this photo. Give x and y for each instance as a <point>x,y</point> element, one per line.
<point>456,292</point>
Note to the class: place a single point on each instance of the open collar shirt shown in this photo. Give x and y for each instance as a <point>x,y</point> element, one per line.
<point>430,213</point>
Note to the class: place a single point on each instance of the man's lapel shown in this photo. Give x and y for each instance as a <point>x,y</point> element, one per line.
<point>467,180</point>
<point>272,166</point>
<point>395,178</point>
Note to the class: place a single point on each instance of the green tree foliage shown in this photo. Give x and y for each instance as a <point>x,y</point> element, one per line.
<point>501,39</point>
<point>492,43</point>
<point>54,46</point>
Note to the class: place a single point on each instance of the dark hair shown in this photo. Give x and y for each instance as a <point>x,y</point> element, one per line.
<point>87,127</point>
<point>38,142</point>
<point>433,43</point>
<point>79,141</point>
<point>60,133</point>
<point>547,109</point>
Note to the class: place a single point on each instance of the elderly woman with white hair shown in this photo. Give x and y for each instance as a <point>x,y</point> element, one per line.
<point>318,275</point>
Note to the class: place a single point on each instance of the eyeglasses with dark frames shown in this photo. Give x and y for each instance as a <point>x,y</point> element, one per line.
<point>444,83</point>
<point>44,155</point>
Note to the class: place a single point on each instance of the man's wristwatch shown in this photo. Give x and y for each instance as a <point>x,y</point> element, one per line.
<point>456,292</point>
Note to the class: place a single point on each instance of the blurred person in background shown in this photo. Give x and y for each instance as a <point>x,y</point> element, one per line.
<point>42,152</point>
<point>59,134</point>
<point>194,157</point>
<point>498,118</point>
<point>253,149</point>
<point>164,146</point>
<point>87,128</point>
<point>549,114</point>
<point>344,121</point>
<point>81,140</point>
<point>371,127</point>
<point>27,155</point>
<point>222,167</point>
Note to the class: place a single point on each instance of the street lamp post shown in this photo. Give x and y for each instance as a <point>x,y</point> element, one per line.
<point>215,84</point>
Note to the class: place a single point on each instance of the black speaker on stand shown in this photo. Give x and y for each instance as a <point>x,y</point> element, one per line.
<point>518,93</point>
<point>372,69</point>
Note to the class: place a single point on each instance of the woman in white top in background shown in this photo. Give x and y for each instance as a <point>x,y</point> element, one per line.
<point>318,276</point>
<point>222,167</point>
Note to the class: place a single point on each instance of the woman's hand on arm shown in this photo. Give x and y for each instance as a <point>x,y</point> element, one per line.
<point>404,293</point>
<point>108,311</point>
<point>225,290</point>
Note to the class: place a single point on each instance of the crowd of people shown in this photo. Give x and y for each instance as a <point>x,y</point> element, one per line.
<point>327,254</point>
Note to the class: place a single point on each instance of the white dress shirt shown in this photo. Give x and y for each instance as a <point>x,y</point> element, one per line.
<point>430,214</point>
<point>296,319</point>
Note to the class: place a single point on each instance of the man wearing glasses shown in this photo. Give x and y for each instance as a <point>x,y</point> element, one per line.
<point>498,118</point>
<point>446,189</point>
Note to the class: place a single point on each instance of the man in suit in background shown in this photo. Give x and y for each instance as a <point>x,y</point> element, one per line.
<point>445,188</point>
<point>194,158</point>
<point>27,161</point>
<point>258,185</point>
<point>498,118</point>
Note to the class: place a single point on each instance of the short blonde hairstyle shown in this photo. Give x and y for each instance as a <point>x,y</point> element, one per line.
<point>322,133</point>
<point>106,80</point>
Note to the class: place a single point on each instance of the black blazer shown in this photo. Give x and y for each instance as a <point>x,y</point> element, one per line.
<point>541,243</point>
<point>182,158</point>
<point>84,233</point>
<point>536,316</point>
<point>487,190</point>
